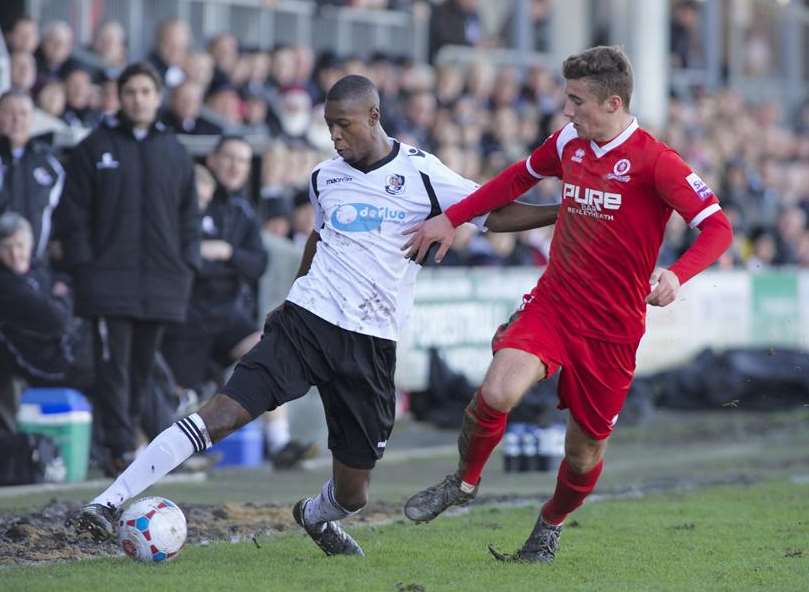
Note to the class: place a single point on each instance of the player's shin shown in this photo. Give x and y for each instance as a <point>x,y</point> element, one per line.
<point>483,428</point>
<point>170,448</point>
<point>571,490</point>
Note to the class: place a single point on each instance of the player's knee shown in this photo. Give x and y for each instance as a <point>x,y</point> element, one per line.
<point>222,416</point>
<point>583,458</point>
<point>498,395</point>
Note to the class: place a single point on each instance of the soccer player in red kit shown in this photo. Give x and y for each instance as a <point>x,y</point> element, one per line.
<point>587,313</point>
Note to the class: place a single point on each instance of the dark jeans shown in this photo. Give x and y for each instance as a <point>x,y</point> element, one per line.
<point>124,362</point>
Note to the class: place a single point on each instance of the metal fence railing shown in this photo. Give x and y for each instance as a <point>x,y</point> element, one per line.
<point>255,23</point>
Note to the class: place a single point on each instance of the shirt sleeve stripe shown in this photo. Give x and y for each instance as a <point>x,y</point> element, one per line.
<point>697,220</point>
<point>531,169</point>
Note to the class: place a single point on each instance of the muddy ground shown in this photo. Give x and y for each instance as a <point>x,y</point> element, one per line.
<point>42,536</point>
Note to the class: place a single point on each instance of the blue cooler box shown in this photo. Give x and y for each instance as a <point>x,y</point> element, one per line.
<point>244,448</point>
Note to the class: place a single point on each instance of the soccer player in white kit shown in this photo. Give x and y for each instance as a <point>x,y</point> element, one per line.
<point>338,328</point>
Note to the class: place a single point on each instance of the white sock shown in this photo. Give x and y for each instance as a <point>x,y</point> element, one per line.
<point>324,508</point>
<point>171,447</point>
<point>277,434</point>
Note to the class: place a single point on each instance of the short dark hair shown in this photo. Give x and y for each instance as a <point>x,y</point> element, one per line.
<point>352,86</point>
<point>139,69</point>
<point>225,138</point>
<point>607,68</point>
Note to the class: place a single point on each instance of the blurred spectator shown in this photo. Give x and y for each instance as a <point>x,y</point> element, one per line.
<point>23,71</point>
<point>23,36</point>
<point>52,98</point>
<point>295,113</point>
<point>183,115</point>
<point>198,67</point>
<point>303,218</point>
<point>80,95</point>
<point>685,40</point>
<point>129,179</point>
<point>274,213</point>
<point>539,15</point>
<point>455,22</point>
<point>763,250</point>
<point>419,117</point>
<point>54,54</point>
<point>109,45</point>
<point>225,102</point>
<point>255,115</point>
<point>32,177</point>
<point>33,319</point>
<point>224,49</point>
<point>170,52</point>
<point>108,102</point>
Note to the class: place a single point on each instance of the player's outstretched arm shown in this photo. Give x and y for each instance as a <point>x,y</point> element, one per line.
<point>518,216</point>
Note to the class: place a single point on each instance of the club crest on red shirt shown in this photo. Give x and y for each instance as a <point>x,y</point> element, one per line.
<point>620,170</point>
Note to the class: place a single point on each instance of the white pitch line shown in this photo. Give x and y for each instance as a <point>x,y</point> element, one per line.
<point>394,456</point>
<point>16,490</point>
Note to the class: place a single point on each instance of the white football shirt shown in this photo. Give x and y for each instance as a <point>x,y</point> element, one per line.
<point>360,279</point>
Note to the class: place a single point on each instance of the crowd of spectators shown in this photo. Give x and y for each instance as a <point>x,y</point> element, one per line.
<point>476,119</point>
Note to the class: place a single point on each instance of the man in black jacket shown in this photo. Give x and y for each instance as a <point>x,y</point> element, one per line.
<point>132,241</point>
<point>221,324</point>
<point>31,178</point>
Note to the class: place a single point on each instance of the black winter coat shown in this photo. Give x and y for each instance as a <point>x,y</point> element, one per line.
<point>219,284</point>
<point>130,223</point>
<point>33,326</point>
<point>31,186</point>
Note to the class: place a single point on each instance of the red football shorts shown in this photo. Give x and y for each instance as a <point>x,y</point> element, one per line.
<point>595,374</point>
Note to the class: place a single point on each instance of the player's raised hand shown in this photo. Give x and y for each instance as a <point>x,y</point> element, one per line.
<point>665,284</point>
<point>435,230</point>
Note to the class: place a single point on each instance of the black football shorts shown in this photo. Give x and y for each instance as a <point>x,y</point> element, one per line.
<point>352,371</point>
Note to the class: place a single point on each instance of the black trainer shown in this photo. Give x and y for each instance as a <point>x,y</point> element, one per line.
<point>97,519</point>
<point>430,502</point>
<point>332,539</point>
<point>541,546</point>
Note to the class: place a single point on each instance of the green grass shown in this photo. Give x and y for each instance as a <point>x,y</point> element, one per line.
<point>722,538</point>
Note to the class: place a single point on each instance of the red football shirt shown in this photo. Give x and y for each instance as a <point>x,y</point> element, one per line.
<point>616,201</point>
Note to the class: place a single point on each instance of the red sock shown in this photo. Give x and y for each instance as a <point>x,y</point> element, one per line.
<point>483,428</point>
<point>571,489</point>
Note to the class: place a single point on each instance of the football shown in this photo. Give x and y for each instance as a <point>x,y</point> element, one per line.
<point>152,529</point>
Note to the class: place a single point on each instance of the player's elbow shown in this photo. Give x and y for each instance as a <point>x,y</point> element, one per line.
<point>720,227</point>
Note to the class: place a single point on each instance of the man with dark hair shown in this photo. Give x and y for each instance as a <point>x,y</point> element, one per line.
<point>31,178</point>
<point>587,313</point>
<point>337,329</point>
<point>130,226</point>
